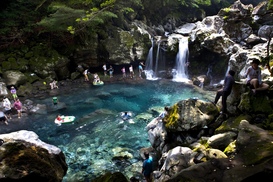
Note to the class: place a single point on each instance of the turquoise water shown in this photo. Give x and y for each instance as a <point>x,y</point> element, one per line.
<point>95,142</point>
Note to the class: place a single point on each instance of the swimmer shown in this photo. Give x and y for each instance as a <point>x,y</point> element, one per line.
<point>126,115</point>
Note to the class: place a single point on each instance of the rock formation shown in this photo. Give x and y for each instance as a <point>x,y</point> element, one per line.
<point>26,158</point>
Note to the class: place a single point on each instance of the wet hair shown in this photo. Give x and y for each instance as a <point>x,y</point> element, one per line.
<point>231,72</point>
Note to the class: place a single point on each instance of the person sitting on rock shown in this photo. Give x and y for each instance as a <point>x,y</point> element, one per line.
<point>53,84</point>
<point>254,80</point>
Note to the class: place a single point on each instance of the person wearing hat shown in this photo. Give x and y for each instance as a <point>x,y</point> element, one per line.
<point>13,93</point>
<point>254,79</point>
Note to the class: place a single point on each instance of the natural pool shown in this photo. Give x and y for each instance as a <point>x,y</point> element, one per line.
<point>94,143</point>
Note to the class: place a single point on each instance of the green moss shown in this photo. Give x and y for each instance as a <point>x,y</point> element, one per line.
<point>127,39</point>
<point>6,65</point>
<point>232,124</point>
<point>225,17</point>
<point>231,148</point>
<point>226,10</point>
<point>172,117</point>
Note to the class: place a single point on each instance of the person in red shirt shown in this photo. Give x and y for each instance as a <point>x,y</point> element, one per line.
<point>18,106</point>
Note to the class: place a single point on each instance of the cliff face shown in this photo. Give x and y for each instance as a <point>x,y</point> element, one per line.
<point>26,158</point>
<point>229,38</point>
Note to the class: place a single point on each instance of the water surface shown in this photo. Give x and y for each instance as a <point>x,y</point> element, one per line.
<point>95,142</point>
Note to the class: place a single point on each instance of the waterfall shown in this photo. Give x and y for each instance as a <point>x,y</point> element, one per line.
<point>149,65</point>
<point>180,73</point>
<point>157,58</point>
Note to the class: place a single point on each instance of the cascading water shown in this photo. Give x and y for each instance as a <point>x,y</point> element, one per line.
<point>180,73</point>
<point>149,64</point>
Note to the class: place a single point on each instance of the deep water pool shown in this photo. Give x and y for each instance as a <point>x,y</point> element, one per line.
<point>96,141</point>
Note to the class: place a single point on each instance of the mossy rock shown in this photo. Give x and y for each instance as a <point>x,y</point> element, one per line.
<point>25,90</point>
<point>258,104</point>
<point>232,124</point>
<point>171,120</point>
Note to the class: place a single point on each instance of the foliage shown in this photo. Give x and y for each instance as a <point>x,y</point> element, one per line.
<point>60,18</point>
<point>64,21</point>
<point>270,4</point>
<point>195,3</point>
<point>18,20</point>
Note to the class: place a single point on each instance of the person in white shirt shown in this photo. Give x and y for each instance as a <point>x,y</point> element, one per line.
<point>85,73</point>
<point>254,80</point>
<point>7,107</point>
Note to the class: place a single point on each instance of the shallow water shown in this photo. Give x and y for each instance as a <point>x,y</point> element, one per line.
<point>93,144</point>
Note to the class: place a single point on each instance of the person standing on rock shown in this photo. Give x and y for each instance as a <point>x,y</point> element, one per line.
<point>111,71</point>
<point>147,167</point>
<point>123,72</point>
<point>13,92</point>
<point>225,91</point>
<point>131,70</point>
<point>104,69</point>
<point>85,73</point>
<point>18,107</point>
<point>140,69</point>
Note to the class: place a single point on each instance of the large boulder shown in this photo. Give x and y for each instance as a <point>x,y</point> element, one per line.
<point>190,114</point>
<point>258,104</point>
<point>252,161</point>
<point>3,89</point>
<point>16,78</point>
<point>26,158</point>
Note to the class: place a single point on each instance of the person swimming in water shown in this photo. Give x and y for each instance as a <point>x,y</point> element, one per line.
<point>126,116</point>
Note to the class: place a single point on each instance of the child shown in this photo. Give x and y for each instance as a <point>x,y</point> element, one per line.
<point>13,92</point>
<point>123,72</point>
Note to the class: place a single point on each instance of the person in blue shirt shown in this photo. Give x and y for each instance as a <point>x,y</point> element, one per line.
<point>140,69</point>
<point>147,167</point>
<point>225,91</point>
